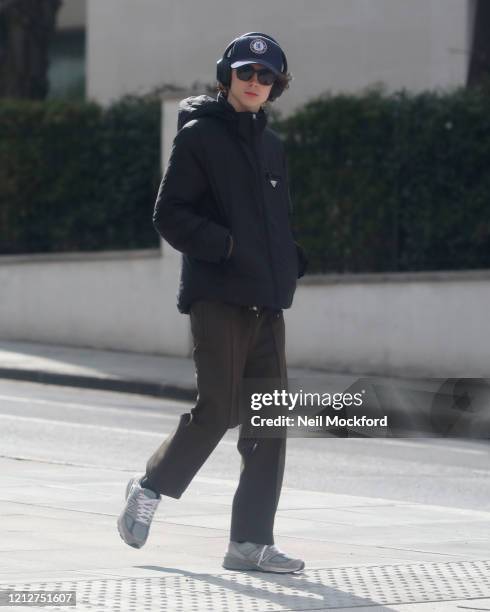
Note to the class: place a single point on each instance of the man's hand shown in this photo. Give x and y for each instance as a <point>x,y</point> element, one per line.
<point>230,246</point>
<point>302,259</point>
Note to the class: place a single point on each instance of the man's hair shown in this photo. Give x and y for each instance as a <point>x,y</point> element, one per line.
<point>282,82</point>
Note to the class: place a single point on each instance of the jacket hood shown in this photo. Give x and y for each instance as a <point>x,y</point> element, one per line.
<point>206,106</point>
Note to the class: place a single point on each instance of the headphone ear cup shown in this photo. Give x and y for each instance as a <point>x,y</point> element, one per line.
<point>223,74</point>
<point>223,66</point>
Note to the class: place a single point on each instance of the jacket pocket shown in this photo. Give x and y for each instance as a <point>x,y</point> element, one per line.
<point>247,258</point>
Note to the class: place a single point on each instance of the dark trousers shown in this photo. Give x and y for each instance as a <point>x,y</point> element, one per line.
<point>232,345</point>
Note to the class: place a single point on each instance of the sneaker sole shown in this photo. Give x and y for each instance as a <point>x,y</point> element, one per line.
<point>235,563</point>
<point>123,538</point>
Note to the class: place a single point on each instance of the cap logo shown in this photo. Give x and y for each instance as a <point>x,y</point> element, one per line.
<point>258,45</point>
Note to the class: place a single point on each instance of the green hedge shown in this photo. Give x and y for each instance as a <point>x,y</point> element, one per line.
<point>379,182</point>
<point>76,177</point>
<point>397,182</point>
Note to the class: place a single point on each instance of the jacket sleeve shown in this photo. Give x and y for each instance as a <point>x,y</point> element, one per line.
<point>176,215</point>
<point>300,251</point>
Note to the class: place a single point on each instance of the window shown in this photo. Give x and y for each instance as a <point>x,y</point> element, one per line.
<point>66,72</point>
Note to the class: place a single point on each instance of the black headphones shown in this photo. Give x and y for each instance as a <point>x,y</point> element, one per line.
<point>223,66</point>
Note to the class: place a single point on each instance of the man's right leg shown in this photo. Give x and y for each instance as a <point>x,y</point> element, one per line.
<point>221,336</point>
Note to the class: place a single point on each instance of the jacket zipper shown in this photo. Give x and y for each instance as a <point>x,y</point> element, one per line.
<point>264,210</point>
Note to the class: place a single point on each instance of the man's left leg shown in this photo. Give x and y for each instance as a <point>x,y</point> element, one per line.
<point>255,502</point>
<point>251,545</point>
<point>263,458</point>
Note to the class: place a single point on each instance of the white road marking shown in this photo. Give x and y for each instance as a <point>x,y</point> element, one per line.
<point>71,424</point>
<point>93,408</point>
<point>141,411</point>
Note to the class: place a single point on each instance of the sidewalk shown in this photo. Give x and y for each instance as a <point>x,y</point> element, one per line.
<point>59,533</point>
<point>111,370</point>
<point>172,377</point>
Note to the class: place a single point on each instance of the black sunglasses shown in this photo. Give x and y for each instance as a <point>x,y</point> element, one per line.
<point>264,75</point>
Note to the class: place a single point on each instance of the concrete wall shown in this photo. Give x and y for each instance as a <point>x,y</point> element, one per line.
<point>420,323</point>
<point>427,324</point>
<point>121,301</point>
<point>336,45</point>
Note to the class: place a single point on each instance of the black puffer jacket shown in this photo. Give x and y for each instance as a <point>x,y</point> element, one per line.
<point>227,176</point>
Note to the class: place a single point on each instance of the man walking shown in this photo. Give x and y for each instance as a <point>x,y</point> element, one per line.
<point>224,204</point>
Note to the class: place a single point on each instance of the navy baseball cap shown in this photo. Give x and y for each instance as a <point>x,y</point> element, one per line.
<point>256,50</point>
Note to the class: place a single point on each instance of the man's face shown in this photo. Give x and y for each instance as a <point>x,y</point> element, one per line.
<point>247,95</point>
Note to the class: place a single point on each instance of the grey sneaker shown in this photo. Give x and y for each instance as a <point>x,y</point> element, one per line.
<point>261,557</point>
<point>135,519</point>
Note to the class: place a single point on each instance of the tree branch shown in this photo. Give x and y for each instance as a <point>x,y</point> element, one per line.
<point>27,27</point>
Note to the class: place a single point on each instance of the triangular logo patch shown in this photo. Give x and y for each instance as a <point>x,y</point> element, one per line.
<point>273,182</point>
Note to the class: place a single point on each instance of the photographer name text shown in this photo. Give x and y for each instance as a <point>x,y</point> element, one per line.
<point>319,420</point>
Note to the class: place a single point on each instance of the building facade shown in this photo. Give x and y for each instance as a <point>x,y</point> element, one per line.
<point>332,45</point>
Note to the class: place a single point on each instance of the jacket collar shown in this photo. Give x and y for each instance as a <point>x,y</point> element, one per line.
<point>247,124</point>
